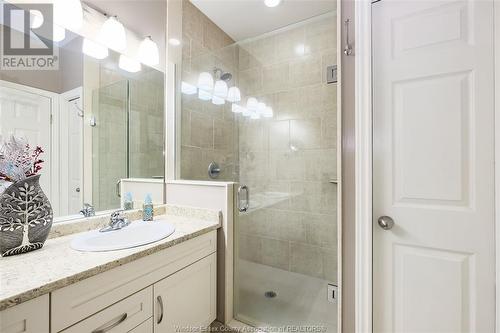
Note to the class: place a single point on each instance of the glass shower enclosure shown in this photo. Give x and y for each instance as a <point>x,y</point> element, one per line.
<point>286,247</point>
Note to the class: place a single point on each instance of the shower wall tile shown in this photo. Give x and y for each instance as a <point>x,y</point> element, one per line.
<point>306,71</point>
<point>276,78</point>
<point>306,259</point>
<point>275,253</point>
<point>202,130</point>
<point>305,133</point>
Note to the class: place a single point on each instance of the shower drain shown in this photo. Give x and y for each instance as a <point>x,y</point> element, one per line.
<point>270,294</point>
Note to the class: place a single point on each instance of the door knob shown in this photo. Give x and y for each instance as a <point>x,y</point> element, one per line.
<point>386,222</point>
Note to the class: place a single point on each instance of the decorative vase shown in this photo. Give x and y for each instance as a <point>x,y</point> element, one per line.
<point>25,217</point>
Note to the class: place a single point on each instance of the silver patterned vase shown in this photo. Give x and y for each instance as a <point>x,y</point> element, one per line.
<point>25,217</point>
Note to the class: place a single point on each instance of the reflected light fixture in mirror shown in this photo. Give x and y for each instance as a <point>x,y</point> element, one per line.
<point>234,95</point>
<point>129,64</point>
<point>252,104</point>
<point>237,109</point>
<point>216,100</point>
<point>148,52</point>
<point>112,34</point>
<point>174,42</point>
<point>220,89</point>
<point>272,3</point>
<point>205,81</point>
<point>94,50</point>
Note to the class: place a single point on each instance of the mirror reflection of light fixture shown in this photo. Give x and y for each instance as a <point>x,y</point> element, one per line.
<point>236,108</point>
<point>188,89</point>
<point>129,64</point>
<point>254,115</point>
<point>205,81</point>
<point>234,95</point>
<point>220,89</point>
<point>93,49</point>
<point>268,113</point>
<point>112,34</point>
<point>174,42</point>
<point>252,104</point>
<point>68,13</point>
<point>148,52</point>
<point>204,95</point>
<point>261,108</point>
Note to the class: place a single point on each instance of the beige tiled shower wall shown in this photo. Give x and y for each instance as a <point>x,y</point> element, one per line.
<point>289,161</point>
<point>209,132</point>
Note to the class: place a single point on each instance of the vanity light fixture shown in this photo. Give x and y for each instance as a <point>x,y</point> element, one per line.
<point>246,112</point>
<point>220,89</point>
<point>129,64</point>
<point>93,49</point>
<point>68,14</point>
<point>112,34</point>
<point>272,3</point>
<point>205,81</point>
<point>188,89</point>
<point>234,95</point>
<point>216,100</point>
<point>261,108</point>
<point>148,52</point>
<point>254,115</point>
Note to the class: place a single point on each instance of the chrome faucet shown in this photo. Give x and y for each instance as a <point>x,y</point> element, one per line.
<point>117,222</point>
<point>87,210</point>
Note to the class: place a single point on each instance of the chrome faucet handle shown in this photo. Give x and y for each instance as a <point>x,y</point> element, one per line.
<point>117,222</point>
<point>87,210</point>
<point>117,216</point>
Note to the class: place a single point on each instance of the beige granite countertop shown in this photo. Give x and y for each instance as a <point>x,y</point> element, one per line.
<point>56,265</point>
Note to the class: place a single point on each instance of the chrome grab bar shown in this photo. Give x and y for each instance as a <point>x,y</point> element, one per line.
<point>111,324</point>
<point>245,207</point>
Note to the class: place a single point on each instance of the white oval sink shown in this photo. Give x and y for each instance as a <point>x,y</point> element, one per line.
<point>136,234</point>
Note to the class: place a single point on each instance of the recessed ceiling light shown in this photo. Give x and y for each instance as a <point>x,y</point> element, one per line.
<point>272,3</point>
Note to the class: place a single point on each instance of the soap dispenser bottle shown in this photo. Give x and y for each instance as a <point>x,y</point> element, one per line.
<point>147,208</point>
<point>128,202</point>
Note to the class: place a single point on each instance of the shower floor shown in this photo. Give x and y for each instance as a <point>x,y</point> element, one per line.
<point>300,300</point>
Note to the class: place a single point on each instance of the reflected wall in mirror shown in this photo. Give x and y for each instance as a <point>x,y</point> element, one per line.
<point>97,123</point>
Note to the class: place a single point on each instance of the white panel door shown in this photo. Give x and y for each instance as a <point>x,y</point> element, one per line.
<point>434,271</point>
<point>75,157</point>
<point>27,114</point>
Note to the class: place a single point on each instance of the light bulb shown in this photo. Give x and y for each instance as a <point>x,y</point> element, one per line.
<point>272,3</point>
<point>112,34</point>
<point>188,89</point>
<point>58,33</point>
<point>94,49</point>
<point>254,115</point>
<point>68,13</point>
<point>148,52</point>
<point>246,112</point>
<point>220,89</point>
<point>234,95</point>
<point>218,100</point>
<point>204,95</point>
<point>261,108</point>
<point>206,81</point>
<point>129,64</point>
<point>252,104</point>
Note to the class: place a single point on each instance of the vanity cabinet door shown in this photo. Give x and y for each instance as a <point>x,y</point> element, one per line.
<point>145,327</point>
<point>186,298</point>
<point>28,317</point>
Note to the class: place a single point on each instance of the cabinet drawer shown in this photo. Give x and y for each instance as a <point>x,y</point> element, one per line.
<point>80,300</point>
<point>121,317</point>
<point>28,317</point>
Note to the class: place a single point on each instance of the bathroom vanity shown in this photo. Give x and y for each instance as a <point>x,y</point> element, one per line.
<point>166,286</point>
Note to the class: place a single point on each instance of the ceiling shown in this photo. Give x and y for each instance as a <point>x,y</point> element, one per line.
<point>242,19</point>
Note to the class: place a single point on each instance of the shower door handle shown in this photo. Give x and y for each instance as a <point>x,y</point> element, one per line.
<point>245,207</point>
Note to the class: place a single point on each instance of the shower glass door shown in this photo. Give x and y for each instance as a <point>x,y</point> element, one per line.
<point>285,152</point>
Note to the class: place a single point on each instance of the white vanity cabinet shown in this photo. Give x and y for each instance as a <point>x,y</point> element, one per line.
<point>28,317</point>
<point>186,299</point>
<point>156,293</point>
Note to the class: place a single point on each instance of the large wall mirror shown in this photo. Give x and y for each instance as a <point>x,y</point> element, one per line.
<point>99,119</point>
